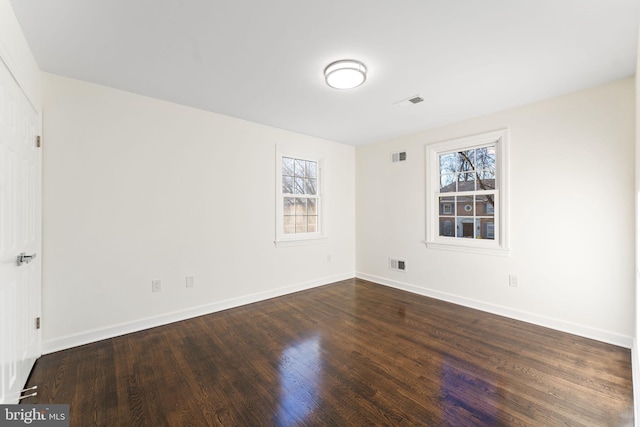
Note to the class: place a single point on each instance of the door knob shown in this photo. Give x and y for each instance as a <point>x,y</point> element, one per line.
<point>23,258</point>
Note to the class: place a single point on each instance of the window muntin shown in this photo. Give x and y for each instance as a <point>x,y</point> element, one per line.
<point>467,181</point>
<point>466,204</point>
<point>299,205</point>
<point>300,195</point>
<point>468,170</point>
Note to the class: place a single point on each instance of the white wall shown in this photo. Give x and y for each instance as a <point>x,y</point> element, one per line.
<point>635,360</point>
<point>572,216</point>
<point>15,52</point>
<point>137,189</point>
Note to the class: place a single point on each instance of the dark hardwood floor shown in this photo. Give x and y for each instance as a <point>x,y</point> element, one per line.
<point>348,354</point>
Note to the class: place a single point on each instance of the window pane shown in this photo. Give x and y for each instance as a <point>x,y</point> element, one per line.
<point>486,158</point>
<point>287,166</point>
<point>464,206</point>
<point>465,228</point>
<point>447,183</point>
<point>466,160</point>
<point>289,206</point>
<point>300,179</point>
<point>448,163</point>
<point>467,181</point>
<point>309,186</point>
<point>289,224</point>
<point>446,205</point>
<point>301,224</point>
<point>312,207</point>
<point>446,226</point>
<point>312,224</point>
<point>487,180</point>
<point>287,185</point>
<point>311,169</point>
<point>490,230</point>
<point>485,228</point>
<point>301,206</point>
<point>485,205</point>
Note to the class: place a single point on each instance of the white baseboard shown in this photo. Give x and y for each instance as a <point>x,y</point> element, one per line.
<point>74,340</point>
<point>536,319</point>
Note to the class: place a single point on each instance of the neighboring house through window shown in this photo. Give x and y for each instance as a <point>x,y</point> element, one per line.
<point>467,193</point>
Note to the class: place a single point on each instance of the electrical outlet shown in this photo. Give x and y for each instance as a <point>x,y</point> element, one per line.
<point>513,280</point>
<point>190,282</point>
<point>156,286</point>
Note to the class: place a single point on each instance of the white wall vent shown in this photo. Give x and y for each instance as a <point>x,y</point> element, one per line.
<point>397,264</point>
<point>400,156</point>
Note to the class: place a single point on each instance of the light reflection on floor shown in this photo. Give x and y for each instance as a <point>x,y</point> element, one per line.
<point>300,368</point>
<point>467,396</point>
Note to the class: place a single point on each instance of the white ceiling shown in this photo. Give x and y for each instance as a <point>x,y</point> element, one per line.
<point>262,60</point>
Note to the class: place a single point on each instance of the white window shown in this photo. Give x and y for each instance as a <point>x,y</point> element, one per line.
<point>467,194</point>
<point>299,217</point>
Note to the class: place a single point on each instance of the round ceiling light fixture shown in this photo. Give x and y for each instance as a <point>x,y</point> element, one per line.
<point>345,74</point>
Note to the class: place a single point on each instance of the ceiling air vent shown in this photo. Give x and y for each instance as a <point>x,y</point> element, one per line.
<point>412,100</point>
<point>400,156</point>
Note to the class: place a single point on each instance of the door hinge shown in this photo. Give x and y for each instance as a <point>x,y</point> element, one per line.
<point>37,323</point>
<point>38,141</point>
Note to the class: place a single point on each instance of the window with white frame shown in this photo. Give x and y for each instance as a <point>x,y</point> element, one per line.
<point>467,193</point>
<point>299,215</point>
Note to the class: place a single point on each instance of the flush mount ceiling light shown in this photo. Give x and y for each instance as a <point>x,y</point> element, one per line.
<point>345,74</point>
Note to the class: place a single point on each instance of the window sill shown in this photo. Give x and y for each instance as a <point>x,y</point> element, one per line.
<point>483,250</point>
<point>300,241</point>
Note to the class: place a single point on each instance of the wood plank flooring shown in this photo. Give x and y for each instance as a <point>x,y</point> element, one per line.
<point>351,353</point>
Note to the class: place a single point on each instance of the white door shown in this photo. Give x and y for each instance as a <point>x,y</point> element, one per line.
<point>20,232</point>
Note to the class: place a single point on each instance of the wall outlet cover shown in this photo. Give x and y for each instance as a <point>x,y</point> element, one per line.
<point>190,282</point>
